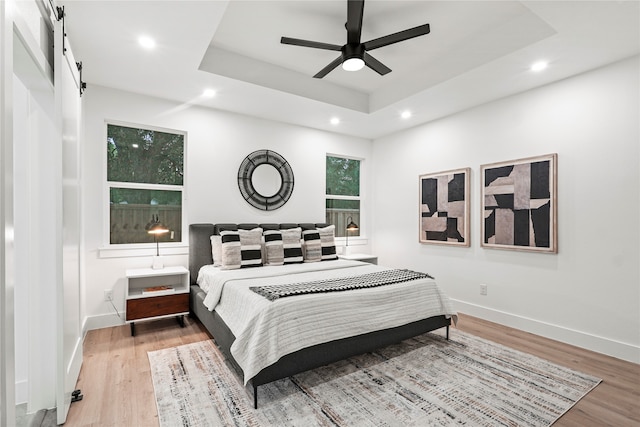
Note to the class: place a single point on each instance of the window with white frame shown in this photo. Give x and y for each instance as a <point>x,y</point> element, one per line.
<point>145,176</point>
<point>343,193</point>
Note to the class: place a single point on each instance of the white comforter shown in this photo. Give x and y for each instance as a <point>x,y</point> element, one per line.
<point>265,331</point>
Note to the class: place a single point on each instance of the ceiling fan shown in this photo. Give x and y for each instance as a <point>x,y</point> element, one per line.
<point>354,54</point>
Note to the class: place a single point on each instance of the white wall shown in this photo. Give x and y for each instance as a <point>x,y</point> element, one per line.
<point>589,293</point>
<point>217,142</point>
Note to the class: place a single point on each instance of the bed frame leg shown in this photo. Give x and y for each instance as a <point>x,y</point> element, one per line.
<point>255,397</point>
<point>447,332</point>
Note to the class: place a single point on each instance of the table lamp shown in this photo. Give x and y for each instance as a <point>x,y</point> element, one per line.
<point>351,226</point>
<point>156,228</point>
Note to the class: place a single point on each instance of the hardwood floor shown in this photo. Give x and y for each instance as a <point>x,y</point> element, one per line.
<point>116,382</point>
<point>115,378</point>
<point>614,402</point>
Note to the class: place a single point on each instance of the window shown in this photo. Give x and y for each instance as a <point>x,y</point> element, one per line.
<point>145,171</point>
<point>343,193</point>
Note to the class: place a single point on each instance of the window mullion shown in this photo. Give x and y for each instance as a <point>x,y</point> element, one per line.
<point>144,186</point>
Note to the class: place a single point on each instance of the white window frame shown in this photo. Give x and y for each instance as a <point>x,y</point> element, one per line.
<point>361,239</point>
<point>110,250</point>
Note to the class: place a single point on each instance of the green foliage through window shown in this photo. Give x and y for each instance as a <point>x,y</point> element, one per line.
<point>343,193</point>
<point>343,176</point>
<point>145,156</point>
<point>145,175</point>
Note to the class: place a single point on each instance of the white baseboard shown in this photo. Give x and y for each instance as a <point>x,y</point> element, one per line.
<point>102,321</point>
<point>620,350</point>
<point>617,349</point>
<point>22,392</point>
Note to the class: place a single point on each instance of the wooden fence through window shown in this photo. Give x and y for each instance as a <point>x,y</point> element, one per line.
<point>339,218</point>
<point>128,223</point>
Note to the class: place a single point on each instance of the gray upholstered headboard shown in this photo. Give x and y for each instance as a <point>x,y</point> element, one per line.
<point>200,240</point>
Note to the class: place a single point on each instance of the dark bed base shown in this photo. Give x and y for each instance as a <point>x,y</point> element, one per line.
<point>310,357</point>
<point>301,360</point>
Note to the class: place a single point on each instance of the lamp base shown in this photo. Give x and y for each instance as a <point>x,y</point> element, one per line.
<point>157,263</point>
<point>346,250</point>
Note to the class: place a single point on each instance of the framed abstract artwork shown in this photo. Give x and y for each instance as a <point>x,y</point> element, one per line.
<point>444,207</point>
<point>519,204</point>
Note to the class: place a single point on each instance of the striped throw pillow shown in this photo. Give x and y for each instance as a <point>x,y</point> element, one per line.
<point>242,248</point>
<point>328,242</point>
<point>251,247</point>
<point>230,258</point>
<point>291,245</point>
<point>312,246</point>
<point>274,248</point>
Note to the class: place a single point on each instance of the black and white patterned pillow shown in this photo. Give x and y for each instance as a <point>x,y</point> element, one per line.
<point>231,257</point>
<point>242,248</point>
<point>251,247</point>
<point>274,248</point>
<point>312,246</point>
<point>292,245</point>
<point>328,242</point>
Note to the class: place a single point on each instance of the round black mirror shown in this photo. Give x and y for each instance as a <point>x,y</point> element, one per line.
<point>265,180</point>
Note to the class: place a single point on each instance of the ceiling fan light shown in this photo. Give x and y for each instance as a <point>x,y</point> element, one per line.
<point>353,64</point>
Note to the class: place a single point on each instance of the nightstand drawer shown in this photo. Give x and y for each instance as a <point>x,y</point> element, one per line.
<point>142,308</point>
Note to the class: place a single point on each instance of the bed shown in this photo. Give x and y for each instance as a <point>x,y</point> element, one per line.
<point>272,338</point>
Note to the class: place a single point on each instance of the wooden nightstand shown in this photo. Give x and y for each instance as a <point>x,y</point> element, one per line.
<point>372,259</point>
<point>156,294</point>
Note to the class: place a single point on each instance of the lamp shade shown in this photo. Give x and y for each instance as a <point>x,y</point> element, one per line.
<point>155,226</point>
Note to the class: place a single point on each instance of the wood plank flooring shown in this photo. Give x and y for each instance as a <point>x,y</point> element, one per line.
<point>116,381</point>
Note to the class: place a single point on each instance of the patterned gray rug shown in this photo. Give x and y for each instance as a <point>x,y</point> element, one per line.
<point>422,381</point>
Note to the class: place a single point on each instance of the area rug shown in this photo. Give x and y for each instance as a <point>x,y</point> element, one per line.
<point>423,381</point>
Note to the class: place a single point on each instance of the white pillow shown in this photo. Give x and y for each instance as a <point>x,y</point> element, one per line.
<point>216,250</point>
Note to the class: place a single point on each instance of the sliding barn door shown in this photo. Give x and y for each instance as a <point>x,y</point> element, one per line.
<point>67,103</point>
<point>7,348</point>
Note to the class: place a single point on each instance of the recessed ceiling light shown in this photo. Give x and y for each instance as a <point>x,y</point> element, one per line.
<point>335,121</point>
<point>209,93</point>
<point>405,114</point>
<point>146,42</point>
<point>539,66</point>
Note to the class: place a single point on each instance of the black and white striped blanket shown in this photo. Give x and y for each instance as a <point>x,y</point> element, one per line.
<point>369,280</point>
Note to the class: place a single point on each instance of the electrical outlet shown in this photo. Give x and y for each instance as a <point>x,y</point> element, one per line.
<point>108,295</point>
<point>483,289</point>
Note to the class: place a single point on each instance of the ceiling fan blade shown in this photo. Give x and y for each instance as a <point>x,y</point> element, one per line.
<point>420,30</point>
<point>309,43</point>
<point>355,10</point>
<point>376,65</point>
<point>326,70</point>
